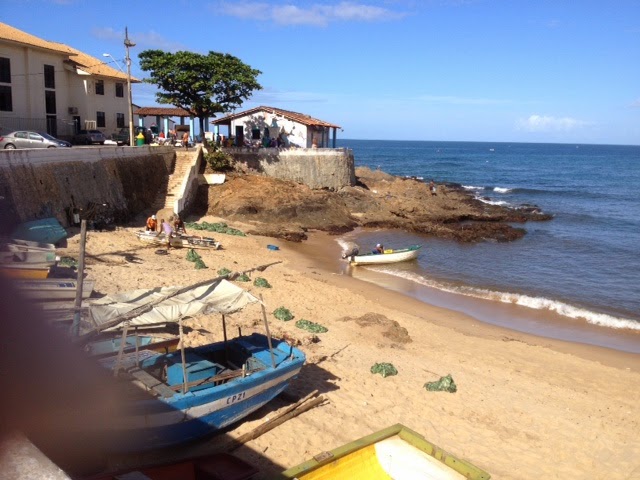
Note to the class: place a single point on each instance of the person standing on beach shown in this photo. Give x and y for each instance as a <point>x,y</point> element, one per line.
<point>168,232</point>
<point>178,225</point>
<point>433,188</point>
<point>152,224</point>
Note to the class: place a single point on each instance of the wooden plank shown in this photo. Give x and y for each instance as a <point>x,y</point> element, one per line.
<point>224,375</point>
<point>151,382</point>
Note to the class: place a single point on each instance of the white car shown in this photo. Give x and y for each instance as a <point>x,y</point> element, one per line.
<point>27,139</point>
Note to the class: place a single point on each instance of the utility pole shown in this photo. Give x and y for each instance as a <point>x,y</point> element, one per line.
<point>128,43</point>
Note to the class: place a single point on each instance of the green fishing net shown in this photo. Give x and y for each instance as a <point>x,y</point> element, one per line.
<point>261,282</point>
<point>242,278</point>
<point>384,369</point>
<point>68,262</point>
<point>224,271</point>
<point>311,326</point>
<point>215,227</point>
<point>192,255</point>
<point>282,313</point>
<point>200,264</point>
<point>445,384</point>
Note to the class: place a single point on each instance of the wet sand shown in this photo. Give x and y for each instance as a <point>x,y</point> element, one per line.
<point>477,317</point>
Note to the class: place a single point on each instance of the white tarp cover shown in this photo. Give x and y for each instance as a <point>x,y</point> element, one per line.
<point>219,296</point>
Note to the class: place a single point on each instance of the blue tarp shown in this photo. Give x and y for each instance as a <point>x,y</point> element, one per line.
<point>46,230</point>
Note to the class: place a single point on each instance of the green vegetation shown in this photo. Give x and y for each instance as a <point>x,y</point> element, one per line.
<point>202,84</point>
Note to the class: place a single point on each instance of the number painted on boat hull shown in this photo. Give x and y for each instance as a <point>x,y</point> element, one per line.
<point>236,398</point>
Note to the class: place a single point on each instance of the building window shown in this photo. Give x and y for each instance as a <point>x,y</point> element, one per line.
<point>49,77</point>
<point>99,87</point>
<point>6,105</point>
<point>120,90</point>
<point>5,70</point>
<point>100,120</point>
<point>120,120</point>
<point>50,102</point>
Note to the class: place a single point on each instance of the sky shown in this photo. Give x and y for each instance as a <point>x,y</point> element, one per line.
<point>565,71</point>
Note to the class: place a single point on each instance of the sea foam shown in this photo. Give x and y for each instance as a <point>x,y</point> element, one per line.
<point>537,303</point>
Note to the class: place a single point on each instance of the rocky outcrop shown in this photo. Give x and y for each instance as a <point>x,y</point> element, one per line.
<point>283,209</point>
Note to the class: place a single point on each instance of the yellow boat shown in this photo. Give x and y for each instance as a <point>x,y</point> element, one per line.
<point>396,452</point>
<point>25,270</point>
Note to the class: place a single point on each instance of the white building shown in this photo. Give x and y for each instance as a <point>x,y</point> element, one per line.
<point>51,87</point>
<point>259,125</point>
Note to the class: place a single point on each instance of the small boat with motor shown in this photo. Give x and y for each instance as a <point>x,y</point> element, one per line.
<point>387,256</point>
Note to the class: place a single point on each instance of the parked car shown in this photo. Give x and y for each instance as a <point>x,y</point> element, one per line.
<point>87,137</point>
<point>26,139</point>
<point>122,137</point>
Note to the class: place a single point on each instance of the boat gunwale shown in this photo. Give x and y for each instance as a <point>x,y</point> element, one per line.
<point>412,437</point>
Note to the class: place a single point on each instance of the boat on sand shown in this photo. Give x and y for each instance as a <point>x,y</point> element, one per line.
<point>54,288</point>
<point>388,256</point>
<point>178,241</point>
<point>180,396</point>
<point>395,452</point>
<point>25,270</point>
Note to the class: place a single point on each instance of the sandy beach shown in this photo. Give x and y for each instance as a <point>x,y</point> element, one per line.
<point>526,407</point>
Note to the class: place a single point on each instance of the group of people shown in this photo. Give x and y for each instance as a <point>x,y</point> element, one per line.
<point>165,227</point>
<point>172,138</point>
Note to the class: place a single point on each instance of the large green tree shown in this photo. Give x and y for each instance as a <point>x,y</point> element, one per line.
<point>202,84</point>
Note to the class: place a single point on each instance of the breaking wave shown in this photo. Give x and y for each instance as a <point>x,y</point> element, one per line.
<point>537,303</point>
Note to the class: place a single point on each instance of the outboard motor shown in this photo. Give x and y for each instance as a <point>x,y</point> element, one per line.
<point>354,251</point>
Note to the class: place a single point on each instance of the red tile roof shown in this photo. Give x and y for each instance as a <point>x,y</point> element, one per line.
<point>76,58</point>
<point>294,116</point>
<point>163,112</point>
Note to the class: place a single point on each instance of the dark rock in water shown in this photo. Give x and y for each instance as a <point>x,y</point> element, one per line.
<point>287,210</point>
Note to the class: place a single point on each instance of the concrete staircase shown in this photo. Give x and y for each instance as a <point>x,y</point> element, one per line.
<point>164,203</point>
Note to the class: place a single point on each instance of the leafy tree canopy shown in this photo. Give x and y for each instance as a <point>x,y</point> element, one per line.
<point>202,84</point>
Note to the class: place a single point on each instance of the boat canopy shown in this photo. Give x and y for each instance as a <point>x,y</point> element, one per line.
<point>218,296</point>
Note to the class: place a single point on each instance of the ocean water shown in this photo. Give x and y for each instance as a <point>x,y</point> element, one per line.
<point>582,268</point>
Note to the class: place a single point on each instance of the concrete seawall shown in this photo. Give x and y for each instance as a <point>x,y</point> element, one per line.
<point>327,168</point>
<point>41,183</point>
<point>48,183</point>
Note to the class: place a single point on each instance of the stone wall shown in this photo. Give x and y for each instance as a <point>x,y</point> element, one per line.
<point>327,168</point>
<point>48,183</point>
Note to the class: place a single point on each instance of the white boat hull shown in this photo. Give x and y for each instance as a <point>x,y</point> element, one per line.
<point>393,256</point>
<point>179,241</point>
<point>54,288</point>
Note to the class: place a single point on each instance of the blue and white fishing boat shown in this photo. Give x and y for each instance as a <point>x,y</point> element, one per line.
<point>180,396</point>
<point>200,390</point>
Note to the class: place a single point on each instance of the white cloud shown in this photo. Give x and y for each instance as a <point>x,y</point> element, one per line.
<point>316,14</point>
<point>545,123</point>
<point>636,103</point>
